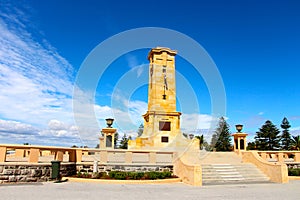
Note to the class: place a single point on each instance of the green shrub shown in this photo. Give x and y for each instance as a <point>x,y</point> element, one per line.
<point>95,175</point>
<point>79,174</point>
<point>135,175</point>
<point>112,174</point>
<point>120,175</point>
<point>153,175</point>
<point>294,172</point>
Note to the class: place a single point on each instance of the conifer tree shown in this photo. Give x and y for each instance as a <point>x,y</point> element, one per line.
<point>224,140</point>
<point>116,139</point>
<point>286,140</point>
<point>124,142</point>
<point>268,138</point>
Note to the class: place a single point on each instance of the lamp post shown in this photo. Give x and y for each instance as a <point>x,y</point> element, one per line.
<point>109,122</point>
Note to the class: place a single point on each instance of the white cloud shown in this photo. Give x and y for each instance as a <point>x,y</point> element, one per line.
<point>8,126</point>
<point>35,81</point>
<point>36,85</point>
<point>140,70</point>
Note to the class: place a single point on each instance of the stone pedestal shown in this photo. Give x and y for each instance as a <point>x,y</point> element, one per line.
<point>108,138</point>
<point>240,143</point>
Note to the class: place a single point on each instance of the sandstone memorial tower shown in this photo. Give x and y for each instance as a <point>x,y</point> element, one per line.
<point>162,121</point>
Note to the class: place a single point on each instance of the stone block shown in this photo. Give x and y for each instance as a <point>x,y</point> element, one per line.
<point>3,177</point>
<point>8,171</point>
<point>46,172</point>
<point>12,179</point>
<point>21,178</point>
<point>25,171</point>
<point>17,172</point>
<point>37,173</point>
<point>31,179</point>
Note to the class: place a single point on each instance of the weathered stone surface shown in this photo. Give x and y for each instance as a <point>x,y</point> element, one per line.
<point>31,179</point>
<point>8,171</point>
<point>46,172</point>
<point>21,178</point>
<point>4,177</point>
<point>25,171</point>
<point>17,172</point>
<point>12,179</point>
<point>37,173</point>
<point>1,169</point>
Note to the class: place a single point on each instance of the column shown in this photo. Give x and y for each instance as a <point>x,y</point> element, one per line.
<point>103,156</point>
<point>152,157</point>
<point>34,155</point>
<point>128,157</point>
<point>2,154</point>
<point>59,155</point>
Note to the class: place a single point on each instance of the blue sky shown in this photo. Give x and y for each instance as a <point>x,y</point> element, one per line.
<point>254,44</point>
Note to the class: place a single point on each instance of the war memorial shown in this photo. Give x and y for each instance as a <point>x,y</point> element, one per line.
<point>161,147</point>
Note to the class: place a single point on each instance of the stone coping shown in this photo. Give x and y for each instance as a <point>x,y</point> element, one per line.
<point>49,148</point>
<point>108,181</point>
<point>292,178</point>
<point>34,164</point>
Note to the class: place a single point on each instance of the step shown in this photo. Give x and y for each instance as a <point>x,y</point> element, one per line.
<point>224,173</point>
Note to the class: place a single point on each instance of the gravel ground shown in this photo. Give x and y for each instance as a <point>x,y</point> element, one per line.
<point>91,191</point>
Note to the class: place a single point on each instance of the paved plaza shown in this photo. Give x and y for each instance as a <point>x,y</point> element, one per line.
<point>95,191</point>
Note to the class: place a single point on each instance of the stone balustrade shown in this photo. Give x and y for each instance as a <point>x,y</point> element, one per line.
<point>280,156</point>
<point>36,154</point>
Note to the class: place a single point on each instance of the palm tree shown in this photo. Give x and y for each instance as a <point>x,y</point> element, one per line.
<point>296,142</point>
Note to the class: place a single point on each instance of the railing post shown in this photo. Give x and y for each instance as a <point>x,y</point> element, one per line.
<point>2,154</point>
<point>128,157</point>
<point>19,153</point>
<point>263,155</point>
<point>59,155</point>
<point>152,157</point>
<point>72,155</point>
<point>297,157</point>
<point>34,155</point>
<point>280,157</point>
<point>103,156</point>
<point>78,155</point>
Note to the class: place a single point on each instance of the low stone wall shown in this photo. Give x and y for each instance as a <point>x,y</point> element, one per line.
<point>10,172</point>
<point>187,170</point>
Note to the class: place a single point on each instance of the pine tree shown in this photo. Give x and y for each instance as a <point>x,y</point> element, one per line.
<point>251,146</point>
<point>214,140</point>
<point>124,142</point>
<point>268,138</point>
<point>224,140</point>
<point>286,140</point>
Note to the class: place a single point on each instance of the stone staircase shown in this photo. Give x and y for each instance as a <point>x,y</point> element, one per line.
<point>227,168</point>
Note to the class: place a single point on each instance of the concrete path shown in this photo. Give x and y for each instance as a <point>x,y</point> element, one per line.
<point>94,191</point>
